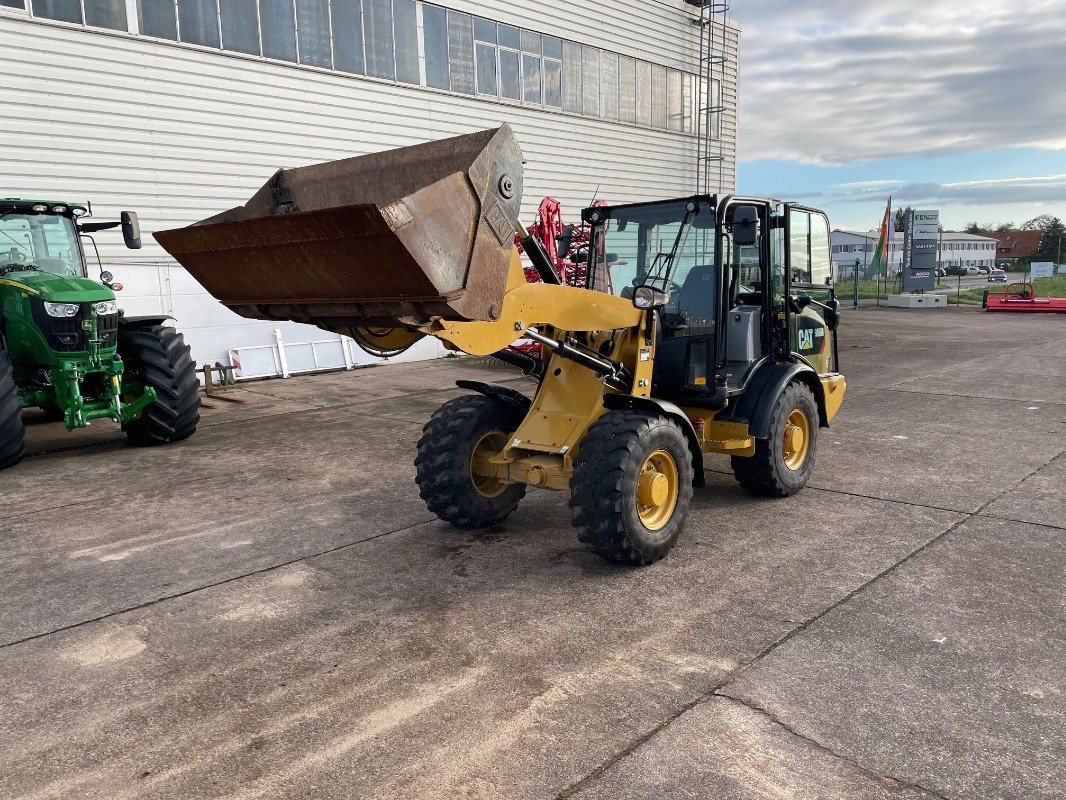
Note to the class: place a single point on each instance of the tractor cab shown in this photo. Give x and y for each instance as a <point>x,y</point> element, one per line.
<point>739,283</point>
<point>47,236</point>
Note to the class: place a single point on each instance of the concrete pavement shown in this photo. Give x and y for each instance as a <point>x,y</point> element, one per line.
<point>268,610</point>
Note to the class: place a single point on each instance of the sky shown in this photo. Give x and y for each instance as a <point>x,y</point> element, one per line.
<point>943,104</point>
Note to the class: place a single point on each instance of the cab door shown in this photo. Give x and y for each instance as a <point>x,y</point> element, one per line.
<point>808,279</point>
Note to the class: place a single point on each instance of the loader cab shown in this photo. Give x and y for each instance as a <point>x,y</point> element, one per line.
<point>741,277</point>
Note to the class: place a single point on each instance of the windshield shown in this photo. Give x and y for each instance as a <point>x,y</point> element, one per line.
<point>47,242</point>
<point>656,244</point>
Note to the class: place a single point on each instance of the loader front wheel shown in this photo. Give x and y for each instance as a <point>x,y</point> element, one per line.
<point>632,487</point>
<point>156,356</point>
<point>460,433</point>
<point>12,432</point>
<point>783,462</point>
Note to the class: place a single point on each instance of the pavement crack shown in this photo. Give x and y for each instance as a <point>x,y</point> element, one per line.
<point>715,690</point>
<point>880,778</point>
<point>212,585</point>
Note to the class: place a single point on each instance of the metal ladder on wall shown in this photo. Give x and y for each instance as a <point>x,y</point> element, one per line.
<point>710,158</point>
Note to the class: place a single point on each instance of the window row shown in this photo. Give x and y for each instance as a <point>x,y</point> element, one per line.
<point>420,44</point>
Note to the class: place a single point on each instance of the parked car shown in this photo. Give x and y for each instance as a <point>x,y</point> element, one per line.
<point>997,276</point>
<point>954,269</point>
<point>973,271</point>
<point>941,272</point>
<point>984,270</point>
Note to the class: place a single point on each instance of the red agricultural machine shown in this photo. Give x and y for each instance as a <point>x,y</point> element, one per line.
<point>1021,296</point>
<point>566,246</point>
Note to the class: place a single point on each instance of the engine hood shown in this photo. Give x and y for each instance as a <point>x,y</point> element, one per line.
<point>57,288</point>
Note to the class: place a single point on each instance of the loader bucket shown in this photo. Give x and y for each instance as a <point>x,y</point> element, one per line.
<point>391,238</point>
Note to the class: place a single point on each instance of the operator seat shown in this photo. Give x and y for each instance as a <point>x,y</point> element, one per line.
<point>697,297</point>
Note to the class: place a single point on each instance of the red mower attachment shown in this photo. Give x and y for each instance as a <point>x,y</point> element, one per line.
<point>1021,296</point>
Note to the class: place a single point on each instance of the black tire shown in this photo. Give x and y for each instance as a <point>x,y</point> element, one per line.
<point>442,466</point>
<point>604,489</point>
<point>767,473</point>
<point>12,431</point>
<point>157,356</point>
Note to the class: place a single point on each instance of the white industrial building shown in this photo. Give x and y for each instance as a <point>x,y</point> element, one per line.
<point>857,247</point>
<point>179,109</point>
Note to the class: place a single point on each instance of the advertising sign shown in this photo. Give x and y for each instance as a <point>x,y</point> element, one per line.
<point>920,245</point>
<point>1041,269</point>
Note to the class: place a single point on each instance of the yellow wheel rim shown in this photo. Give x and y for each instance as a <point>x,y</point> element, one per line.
<point>796,440</point>
<point>487,446</point>
<point>657,490</point>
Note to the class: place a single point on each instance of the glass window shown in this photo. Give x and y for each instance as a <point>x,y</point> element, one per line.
<point>553,47</point>
<point>106,14</point>
<point>484,30</point>
<point>46,241</point>
<point>435,42</point>
<point>609,85</point>
<point>821,263</point>
<point>347,20</point>
<point>510,75</point>
<point>658,96</point>
<point>673,100</point>
<point>531,43</point>
<point>553,83</point>
<point>486,69</point>
<point>312,28</point>
<point>240,26</point>
<point>278,28</point>
<point>461,52</point>
<point>590,81</point>
<point>643,81</point>
<point>157,18</point>
<point>377,28</point>
<point>509,37</point>
<point>62,10</point>
<point>405,27</point>
<point>799,244</point>
<point>627,90</point>
<point>571,77</point>
<point>531,88</point>
<point>19,4</point>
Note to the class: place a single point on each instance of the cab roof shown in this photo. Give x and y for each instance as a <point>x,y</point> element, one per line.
<point>10,204</point>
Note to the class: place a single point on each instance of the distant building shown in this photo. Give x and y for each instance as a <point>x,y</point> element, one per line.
<point>1012,245</point>
<point>857,247</point>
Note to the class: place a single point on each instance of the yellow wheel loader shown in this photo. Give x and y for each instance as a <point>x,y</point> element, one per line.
<point>707,326</point>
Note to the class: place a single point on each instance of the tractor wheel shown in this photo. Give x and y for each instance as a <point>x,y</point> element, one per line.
<point>782,463</point>
<point>12,433</point>
<point>157,356</point>
<point>632,486</point>
<point>458,432</point>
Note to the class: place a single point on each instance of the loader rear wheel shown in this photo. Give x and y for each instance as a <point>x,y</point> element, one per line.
<point>456,436</point>
<point>12,432</point>
<point>157,356</point>
<point>783,462</point>
<point>632,487</point>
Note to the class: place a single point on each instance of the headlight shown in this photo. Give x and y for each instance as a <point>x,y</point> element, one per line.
<point>107,307</point>
<point>61,309</point>
<point>59,209</point>
<point>39,209</point>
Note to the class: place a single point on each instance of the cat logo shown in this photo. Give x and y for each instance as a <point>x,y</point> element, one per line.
<point>806,338</point>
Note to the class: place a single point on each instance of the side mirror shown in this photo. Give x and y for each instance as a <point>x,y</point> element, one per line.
<point>832,314</point>
<point>645,297</point>
<point>745,225</point>
<point>131,230</point>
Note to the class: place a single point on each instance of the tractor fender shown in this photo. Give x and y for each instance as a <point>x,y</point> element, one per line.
<point>617,402</point>
<point>153,319</point>
<point>755,406</point>
<point>499,392</point>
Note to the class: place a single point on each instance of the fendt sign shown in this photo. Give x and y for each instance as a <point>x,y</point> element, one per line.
<point>920,247</point>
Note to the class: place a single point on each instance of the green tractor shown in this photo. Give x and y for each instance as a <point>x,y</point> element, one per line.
<point>67,348</point>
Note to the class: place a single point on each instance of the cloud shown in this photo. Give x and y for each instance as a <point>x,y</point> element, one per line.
<point>1049,188</point>
<point>836,82</point>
